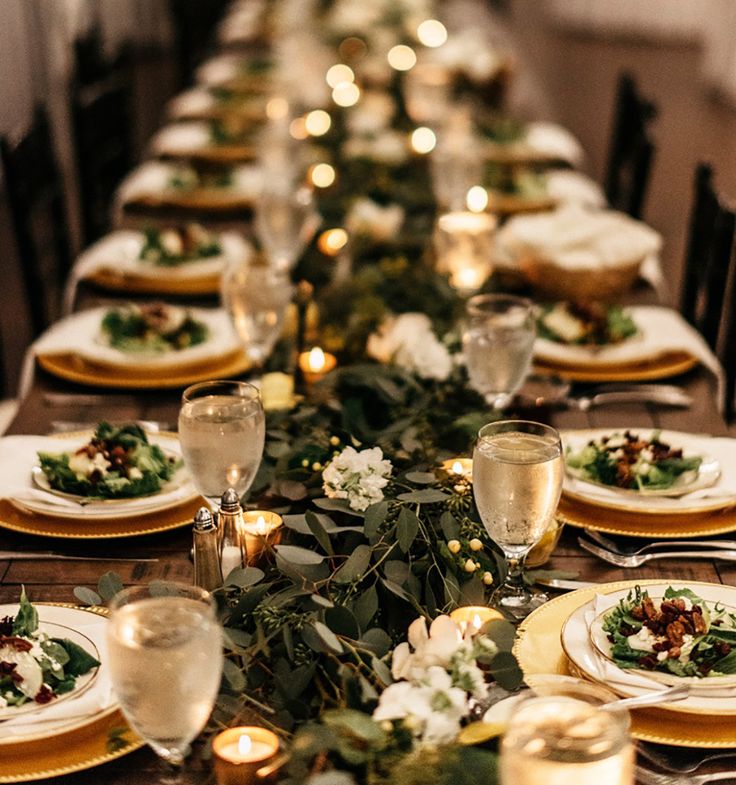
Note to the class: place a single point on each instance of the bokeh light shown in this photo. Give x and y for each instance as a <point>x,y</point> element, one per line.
<point>317,123</point>
<point>432,33</point>
<point>402,57</point>
<point>423,140</point>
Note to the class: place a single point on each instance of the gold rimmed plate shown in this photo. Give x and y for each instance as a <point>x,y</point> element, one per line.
<point>132,283</point>
<point>539,650</point>
<point>80,370</point>
<point>660,367</point>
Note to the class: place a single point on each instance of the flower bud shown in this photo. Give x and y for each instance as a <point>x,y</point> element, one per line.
<point>453,546</point>
<point>470,566</point>
<point>305,463</point>
<point>476,544</point>
<point>316,466</point>
<point>487,578</point>
<point>387,726</point>
<point>334,440</point>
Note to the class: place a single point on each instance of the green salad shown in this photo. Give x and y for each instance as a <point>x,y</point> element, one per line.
<point>33,665</point>
<point>152,328</point>
<point>172,247</point>
<point>585,324</point>
<point>678,634</point>
<point>117,463</point>
<point>625,460</point>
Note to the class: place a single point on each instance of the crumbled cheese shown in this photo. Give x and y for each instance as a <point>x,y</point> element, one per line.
<point>643,640</point>
<point>688,642</point>
<point>135,473</point>
<point>171,242</point>
<point>561,322</point>
<point>661,655</point>
<point>83,466</point>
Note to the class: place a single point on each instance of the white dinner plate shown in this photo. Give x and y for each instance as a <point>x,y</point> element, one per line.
<point>715,490</point>
<point>578,647</point>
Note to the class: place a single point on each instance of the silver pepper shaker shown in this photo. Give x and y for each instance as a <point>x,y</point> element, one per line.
<point>207,569</point>
<point>233,551</point>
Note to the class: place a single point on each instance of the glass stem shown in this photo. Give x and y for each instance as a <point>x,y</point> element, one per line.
<point>515,573</point>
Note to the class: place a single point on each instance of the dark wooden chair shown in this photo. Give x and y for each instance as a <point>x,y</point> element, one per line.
<point>38,219</point>
<point>193,22</point>
<point>631,149</point>
<point>101,97</point>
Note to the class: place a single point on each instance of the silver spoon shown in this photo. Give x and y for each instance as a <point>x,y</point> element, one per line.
<point>670,695</point>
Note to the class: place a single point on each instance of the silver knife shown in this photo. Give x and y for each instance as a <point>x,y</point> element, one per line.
<point>46,556</point>
<point>662,394</point>
<point>564,584</point>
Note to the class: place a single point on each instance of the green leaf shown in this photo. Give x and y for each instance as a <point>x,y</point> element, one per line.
<point>407,528</point>
<point>355,565</point>
<point>394,588</point>
<point>109,585</point>
<point>318,530</point>
<point>501,632</point>
<point>233,675</point>
<point>298,555</point>
<point>242,577</point>
<point>86,596</point>
<point>323,602</point>
<point>365,607</point>
<point>425,496</point>
<point>381,670</point>
<point>337,505</point>
<point>505,670</point>
<point>421,478</point>
<point>377,640</point>
<point>396,571</point>
<point>449,525</point>
<point>375,515</point>
<point>356,723</point>
<point>342,622</point>
<point>319,636</point>
<point>237,637</point>
<point>26,619</point>
<point>277,449</point>
<point>452,589</point>
<point>80,660</point>
<point>473,592</point>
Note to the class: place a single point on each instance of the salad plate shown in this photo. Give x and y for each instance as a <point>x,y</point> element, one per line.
<point>686,489</point>
<point>539,650</point>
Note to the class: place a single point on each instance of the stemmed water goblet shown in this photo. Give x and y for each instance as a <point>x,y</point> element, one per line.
<point>517,482</point>
<point>165,660</point>
<point>222,431</point>
<point>497,343</point>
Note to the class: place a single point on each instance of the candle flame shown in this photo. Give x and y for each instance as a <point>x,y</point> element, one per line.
<point>316,359</point>
<point>261,525</point>
<point>233,474</point>
<point>477,622</point>
<point>245,744</point>
<point>457,468</point>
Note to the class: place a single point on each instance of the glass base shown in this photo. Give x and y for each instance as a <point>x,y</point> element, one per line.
<point>515,603</point>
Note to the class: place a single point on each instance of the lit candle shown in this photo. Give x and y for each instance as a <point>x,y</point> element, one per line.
<point>262,529</point>
<point>464,248</point>
<point>473,617</point>
<point>315,364</point>
<point>244,755</point>
<point>462,467</point>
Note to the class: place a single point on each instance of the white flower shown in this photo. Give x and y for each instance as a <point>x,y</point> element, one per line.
<point>388,147</point>
<point>408,341</point>
<point>369,218</point>
<point>359,477</point>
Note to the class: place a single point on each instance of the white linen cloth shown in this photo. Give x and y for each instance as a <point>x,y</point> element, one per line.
<point>19,454</point>
<point>120,251</point>
<point>81,334</point>
<point>219,70</point>
<point>98,697</point>
<point>553,141</point>
<point>191,102</point>
<point>566,187</point>
<point>181,138</point>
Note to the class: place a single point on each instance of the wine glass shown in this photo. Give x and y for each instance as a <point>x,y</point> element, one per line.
<point>517,481</point>
<point>164,652</point>
<point>222,429</point>
<point>498,343</point>
<point>256,296</point>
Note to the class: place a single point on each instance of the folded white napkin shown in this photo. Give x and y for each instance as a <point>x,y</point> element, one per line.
<point>610,673</point>
<point>191,102</point>
<point>81,334</point>
<point>566,187</point>
<point>119,252</point>
<point>219,70</point>
<point>181,138</point>
<point>554,141</point>
<point>19,454</point>
<point>96,698</point>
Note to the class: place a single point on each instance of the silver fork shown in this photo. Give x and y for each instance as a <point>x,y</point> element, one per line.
<point>681,765</point>
<point>637,559</point>
<point>649,777</point>
<point>614,547</point>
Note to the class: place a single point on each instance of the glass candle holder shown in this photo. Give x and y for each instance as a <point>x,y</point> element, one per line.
<point>463,243</point>
<point>473,617</point>
<point>262,530</point>
<point>563,736</point>
<point>316,364</point>
<point>244,755</point>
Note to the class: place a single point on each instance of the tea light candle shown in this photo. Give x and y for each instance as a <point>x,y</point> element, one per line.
<point>473,617</point>
<point>460,467</point>
<point>315,364</point>
<point>262,528</point>
<point>464,248</point>
<point>243,755</point>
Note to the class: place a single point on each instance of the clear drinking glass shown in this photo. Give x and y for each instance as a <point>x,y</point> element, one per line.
<point>498,343</point>
<point>222,429</point>
<point>517,481</point>
<point>562,736</point>
<point>165,660</point>
<point>256,296</point>
<point>285,222</point>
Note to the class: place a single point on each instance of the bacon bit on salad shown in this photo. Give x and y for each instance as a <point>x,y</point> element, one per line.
<point>19,644</point>
<point>44,695</point>
<point>6,626</point>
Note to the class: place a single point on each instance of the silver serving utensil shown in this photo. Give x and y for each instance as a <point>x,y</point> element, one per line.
<point>611,545</point>
<point>660,394</point>
<point>636,560</point>
<point>49,556</point>
<point>671,695</point>
<point>564,584</point>
<point>682,761</point>
<point>649,777</point>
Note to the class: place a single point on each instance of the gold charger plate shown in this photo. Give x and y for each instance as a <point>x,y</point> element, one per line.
<point>538,649</point>
<point>212,154</point>
<point>130,283</point>
<point>641,524</point>
<point>81,747</point>
<point>662,367</point>
<point>77,369</point>
<point>22,520</point>
<point>508,204</point>
<point>196,199</point>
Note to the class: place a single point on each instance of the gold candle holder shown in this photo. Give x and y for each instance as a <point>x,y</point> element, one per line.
<point>459,468</point>
<point>473,617</point>
<point>262,529</point>
<point>316,364</point>
<point>244,755</point>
